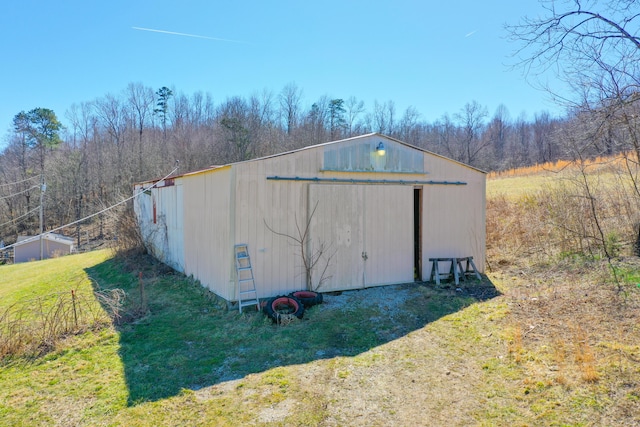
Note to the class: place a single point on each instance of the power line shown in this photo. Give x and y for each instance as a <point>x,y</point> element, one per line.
<point>142,190</point>
<point>18,182</point>
<point>21,216</point>
<point>20,192</point>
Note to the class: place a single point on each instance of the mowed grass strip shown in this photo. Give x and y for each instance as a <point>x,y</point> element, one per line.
<point>20,282</point>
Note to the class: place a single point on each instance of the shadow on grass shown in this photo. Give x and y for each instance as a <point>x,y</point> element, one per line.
<point>188,340</point>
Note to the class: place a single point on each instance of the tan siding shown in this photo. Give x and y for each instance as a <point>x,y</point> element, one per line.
<point>283,206</point>
<point>453,216</point>
<point>278,204</point>
<point>376,220</point>
<point>208,255</point>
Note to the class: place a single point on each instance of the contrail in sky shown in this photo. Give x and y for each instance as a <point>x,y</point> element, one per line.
<point>187,35</point>
<point>470,34</point>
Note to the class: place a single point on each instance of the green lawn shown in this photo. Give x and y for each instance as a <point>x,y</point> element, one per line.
<point>33,279</point>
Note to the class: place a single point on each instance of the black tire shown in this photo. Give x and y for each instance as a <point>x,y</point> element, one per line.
<point>308,298</point>
<point>280,306</point>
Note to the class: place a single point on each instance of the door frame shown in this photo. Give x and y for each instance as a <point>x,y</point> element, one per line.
<point>417,232</point>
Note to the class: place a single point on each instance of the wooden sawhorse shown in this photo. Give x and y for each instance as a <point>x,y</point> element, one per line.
<point>456,269</point>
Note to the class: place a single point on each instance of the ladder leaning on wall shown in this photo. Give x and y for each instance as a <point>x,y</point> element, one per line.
<point>246,285</point>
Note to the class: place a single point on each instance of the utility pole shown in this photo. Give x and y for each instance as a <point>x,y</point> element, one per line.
<point>43,188</point>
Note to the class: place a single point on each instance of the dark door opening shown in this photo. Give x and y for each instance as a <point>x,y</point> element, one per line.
<point>417,233</point>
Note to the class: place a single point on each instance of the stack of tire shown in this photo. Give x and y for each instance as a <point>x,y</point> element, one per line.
<point>292,304</point>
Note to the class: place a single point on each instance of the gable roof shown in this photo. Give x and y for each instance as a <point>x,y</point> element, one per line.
<point>310,147</point>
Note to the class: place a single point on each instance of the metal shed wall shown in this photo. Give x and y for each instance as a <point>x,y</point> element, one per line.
<point>159,211</point>
<point>454,219</point>
<point>355,219</point>
<point>378,212</point>
<point>370,228</point>
<point>262,204</point>
<point>208,221</point>
<point>30,250</point>
<point>237,203</point>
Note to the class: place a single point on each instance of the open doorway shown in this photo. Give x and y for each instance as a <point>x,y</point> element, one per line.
<point>417,233</point>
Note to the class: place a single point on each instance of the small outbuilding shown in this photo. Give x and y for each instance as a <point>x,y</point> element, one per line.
<point>27,248</point>
<point>371,209</point>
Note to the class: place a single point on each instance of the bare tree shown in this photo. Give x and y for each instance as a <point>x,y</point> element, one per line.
<point>519,145</point>
<point>113,118</point>
<point>290,98</point>
<point>262,118</point>
<point>383,118</point>
<point>594,46</point>
<point>497,133</point>
<point>409,125</point>
<point>354,109</point>
<point>471,120</point>
<point>543,127</point>
<point>446,138</point>
<point>16,168</point>
<point>141,101</point>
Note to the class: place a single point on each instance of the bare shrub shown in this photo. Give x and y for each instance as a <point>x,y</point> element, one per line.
<point>33,326</point>
<point>518,228</point>
<point>591,213</point>
<point>586,213</point>
<point>129,239</point>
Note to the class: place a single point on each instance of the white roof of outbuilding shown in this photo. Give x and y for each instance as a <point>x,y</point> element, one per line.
<point>49,236</point>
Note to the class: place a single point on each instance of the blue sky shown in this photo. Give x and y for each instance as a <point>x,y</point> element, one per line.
<point>433,55</point>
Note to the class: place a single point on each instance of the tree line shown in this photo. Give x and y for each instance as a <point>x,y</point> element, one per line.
<point>137,135</point>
